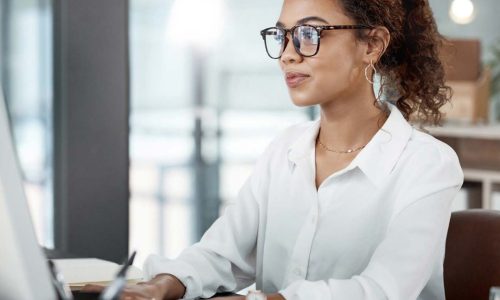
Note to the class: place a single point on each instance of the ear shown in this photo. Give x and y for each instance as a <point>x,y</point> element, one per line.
<point>378,41</point>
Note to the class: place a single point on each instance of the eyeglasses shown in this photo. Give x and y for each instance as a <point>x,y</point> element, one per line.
<point>306,38</point>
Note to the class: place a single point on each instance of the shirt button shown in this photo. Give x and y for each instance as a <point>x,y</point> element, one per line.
<point>313,219</point>
<point>297,272</point>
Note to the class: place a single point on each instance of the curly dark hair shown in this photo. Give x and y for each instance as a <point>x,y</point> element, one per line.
<point>411,69</point>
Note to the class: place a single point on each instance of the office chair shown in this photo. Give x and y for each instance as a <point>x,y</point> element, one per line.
<point>472,258</point>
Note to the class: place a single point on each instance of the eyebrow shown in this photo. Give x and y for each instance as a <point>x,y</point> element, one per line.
<point>304,20</point>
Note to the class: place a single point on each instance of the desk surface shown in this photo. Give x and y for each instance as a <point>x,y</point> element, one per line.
<point>94,296</point>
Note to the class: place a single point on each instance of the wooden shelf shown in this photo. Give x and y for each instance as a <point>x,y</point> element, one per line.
<point>489,180</point>
<point>478,149</point>
<point>489,132</point>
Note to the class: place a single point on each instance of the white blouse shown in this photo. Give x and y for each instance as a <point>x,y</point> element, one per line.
<point>373,230</point>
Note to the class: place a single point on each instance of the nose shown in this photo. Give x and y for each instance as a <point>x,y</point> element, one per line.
<point>289,54</point>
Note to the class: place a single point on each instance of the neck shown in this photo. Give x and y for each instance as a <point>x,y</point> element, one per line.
<point>350,123</point>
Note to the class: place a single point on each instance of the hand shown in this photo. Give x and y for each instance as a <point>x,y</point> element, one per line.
<point>140,291</point>
<point>162,287</point>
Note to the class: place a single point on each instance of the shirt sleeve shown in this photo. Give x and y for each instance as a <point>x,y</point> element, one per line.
<point>225,257</point>
<point>403,262</point>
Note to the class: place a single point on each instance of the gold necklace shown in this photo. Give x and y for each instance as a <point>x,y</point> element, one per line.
<point>337,151</point>
<point>345,151</point>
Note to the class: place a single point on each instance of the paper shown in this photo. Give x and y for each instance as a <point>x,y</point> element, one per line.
<point>78,272</point>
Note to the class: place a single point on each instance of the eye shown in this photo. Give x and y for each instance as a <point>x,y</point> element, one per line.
<point>279,36</point>
<point>309,34</point>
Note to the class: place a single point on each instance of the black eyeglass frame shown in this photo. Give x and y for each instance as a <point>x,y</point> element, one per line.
<point>318,28</point>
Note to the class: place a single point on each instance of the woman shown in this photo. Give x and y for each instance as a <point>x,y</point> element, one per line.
<point>355,205</point>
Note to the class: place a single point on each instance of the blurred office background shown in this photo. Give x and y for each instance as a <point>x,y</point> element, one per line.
<point>200,113</point>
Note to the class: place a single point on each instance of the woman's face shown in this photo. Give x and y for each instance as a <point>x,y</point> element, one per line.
<point>336,72</point>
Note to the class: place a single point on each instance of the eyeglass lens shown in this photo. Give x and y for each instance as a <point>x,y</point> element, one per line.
<point>305,40</point>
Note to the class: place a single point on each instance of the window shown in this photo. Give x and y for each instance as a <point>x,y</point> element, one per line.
<point>198,122</point>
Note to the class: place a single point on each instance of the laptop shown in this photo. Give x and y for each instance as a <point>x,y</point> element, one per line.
<point>24,272</point>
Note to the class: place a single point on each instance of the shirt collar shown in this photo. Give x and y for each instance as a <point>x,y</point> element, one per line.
<point>376,160</point>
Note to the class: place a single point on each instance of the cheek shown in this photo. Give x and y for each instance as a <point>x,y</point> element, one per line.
<point>339,55</point>
<point>331,78</point>
<point>334,72</point>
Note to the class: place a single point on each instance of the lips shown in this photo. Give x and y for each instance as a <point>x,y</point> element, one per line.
<point>294,79</point>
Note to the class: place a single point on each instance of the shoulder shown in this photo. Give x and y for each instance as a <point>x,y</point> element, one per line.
<point>427,166</point>
<point>427,158</point>
<point>426,145</point>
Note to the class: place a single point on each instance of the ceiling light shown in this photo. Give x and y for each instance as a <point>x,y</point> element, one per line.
<point>462,11</point>
<point>196,23</point>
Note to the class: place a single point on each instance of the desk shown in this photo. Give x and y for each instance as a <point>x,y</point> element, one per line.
<point>53,254</point>
<point>478,149</point>
<point>93,296</point>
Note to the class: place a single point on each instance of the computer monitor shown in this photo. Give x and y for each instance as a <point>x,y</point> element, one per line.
<point>24,272</point>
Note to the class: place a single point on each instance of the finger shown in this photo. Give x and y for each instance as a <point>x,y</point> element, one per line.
<point>128,296</point>
<point>93,288</point>
<point>136,290</point>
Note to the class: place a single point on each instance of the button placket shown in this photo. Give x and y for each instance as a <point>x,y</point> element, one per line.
<point>302,251</point>
<point>314,218</point>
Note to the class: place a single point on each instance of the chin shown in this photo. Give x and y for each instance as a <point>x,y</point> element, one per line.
<point>302,100</point>
<point>302,103</point>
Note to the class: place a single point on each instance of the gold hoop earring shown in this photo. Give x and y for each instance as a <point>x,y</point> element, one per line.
<point>366,71</point>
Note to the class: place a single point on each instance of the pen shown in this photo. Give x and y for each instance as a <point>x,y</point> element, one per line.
<point>115,288</point>
<point>58,281</point>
